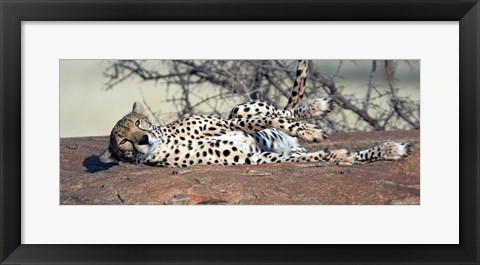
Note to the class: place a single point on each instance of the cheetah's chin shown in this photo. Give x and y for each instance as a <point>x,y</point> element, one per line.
<point>147,149</point>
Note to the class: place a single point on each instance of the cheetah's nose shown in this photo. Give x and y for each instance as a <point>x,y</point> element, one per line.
<point>144,140</point>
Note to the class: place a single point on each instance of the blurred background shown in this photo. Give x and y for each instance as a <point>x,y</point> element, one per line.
<point>369,94</point>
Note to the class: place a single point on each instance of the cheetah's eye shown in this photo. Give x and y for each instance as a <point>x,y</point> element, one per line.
<point>123,141</point>
<point>137,123</point>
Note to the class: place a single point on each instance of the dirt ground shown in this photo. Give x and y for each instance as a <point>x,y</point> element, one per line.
<point>86,180</point>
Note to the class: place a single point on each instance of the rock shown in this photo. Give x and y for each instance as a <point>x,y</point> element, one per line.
<point>84,179</point>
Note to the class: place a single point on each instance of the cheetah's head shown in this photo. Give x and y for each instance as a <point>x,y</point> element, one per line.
<point>132,139</point>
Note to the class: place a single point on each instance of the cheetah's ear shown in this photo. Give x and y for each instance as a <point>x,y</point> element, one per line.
<point>107,157</point>
<point>138,108</point>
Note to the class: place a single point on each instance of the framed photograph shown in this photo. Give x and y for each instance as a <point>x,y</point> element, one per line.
<point>239,132</point>
<point>198,127</point>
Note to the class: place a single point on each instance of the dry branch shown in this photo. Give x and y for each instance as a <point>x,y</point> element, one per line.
<point>239,80</point>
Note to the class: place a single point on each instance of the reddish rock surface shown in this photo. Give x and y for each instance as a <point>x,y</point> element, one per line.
<point>86,180</point>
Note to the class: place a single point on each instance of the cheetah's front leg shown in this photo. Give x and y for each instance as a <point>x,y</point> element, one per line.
<point>254,124</point>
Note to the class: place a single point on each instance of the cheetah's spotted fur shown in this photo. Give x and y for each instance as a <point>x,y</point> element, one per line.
<point>255,132</point>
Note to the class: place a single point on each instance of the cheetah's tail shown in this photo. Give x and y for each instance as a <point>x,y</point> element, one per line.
<point>385,151</point>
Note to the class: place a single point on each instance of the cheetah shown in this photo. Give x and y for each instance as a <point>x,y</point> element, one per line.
<point>255,132</point>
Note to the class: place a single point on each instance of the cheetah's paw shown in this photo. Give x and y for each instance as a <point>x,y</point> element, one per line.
<point>312,133</point>
<point>320,107</point>
<point>344,157</point>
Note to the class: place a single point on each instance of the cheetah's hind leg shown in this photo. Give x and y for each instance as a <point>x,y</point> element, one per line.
<point>306,131</point>
<point>385,151</point>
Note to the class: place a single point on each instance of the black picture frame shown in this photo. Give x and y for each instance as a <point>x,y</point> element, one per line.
<point>13,12</point>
